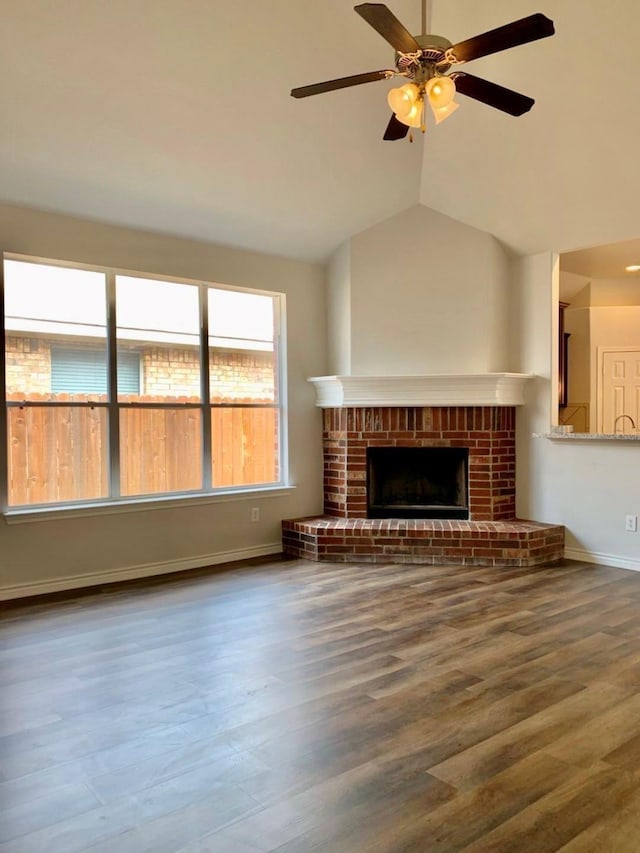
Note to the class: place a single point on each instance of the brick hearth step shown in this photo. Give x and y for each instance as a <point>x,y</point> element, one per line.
<point>423,541</point>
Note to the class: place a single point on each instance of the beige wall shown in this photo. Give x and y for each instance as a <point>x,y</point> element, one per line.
<point>615,292</point>
<point>339,311</point>
<point>425,294</point>
<point>47,552</point>
<point>615,326</point>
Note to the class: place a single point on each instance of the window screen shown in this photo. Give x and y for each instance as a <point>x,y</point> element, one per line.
<point>76,370</point>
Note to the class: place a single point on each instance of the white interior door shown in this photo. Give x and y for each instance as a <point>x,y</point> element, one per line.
<point>620,390</point>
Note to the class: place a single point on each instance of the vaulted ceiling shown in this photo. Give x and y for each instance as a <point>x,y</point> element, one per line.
<point>175,116</point>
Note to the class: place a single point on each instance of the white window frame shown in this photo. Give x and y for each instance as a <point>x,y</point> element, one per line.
<point>116,502</point>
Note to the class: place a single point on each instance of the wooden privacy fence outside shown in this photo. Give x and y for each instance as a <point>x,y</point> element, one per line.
<point>60,453</point>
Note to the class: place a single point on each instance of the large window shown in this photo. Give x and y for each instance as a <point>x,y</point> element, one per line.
<point>121,385</point>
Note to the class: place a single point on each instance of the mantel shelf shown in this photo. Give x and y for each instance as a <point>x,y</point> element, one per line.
<point>444,389</point>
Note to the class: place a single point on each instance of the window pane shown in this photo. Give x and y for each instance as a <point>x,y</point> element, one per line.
<point>245,446</point>
<point>159,322</point>
<point>242,363</point>
<point>161,450</point>
<point>240,316</point>
<point>57,453</point>
<point>48,307</point>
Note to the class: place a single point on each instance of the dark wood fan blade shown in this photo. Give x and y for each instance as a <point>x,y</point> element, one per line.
<point>395,129</point>
<point>340,83</point>
<point>385,22</point>
<point>528,29</point>
<point>490,93</point>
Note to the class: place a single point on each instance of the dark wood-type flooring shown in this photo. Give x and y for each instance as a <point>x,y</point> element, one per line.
<point>293,706</point>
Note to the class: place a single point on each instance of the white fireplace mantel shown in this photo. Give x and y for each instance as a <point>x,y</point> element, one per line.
<point>474,389</point>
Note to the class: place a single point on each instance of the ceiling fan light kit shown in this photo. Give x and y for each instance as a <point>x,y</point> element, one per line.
<point>425,61</point>
<point>407,102</point>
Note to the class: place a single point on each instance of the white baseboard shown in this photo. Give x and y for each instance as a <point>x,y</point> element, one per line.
<point>144,570</point>
<point>604,559</point>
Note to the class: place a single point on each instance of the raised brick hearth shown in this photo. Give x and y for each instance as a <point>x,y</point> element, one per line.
<point>491,537</point>
<point>424,541</point>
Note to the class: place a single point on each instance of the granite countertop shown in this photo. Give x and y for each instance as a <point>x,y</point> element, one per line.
<point>593,436</point>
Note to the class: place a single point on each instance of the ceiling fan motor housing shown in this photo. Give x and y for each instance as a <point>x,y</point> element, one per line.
<point>422,66</point>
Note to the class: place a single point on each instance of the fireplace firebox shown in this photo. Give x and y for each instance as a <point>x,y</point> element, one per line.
<point>417,482</point>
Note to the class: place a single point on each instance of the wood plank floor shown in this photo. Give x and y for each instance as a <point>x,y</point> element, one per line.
<point>294,706</point>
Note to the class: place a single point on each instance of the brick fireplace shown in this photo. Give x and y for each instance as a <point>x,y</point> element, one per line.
<point>486,432</point>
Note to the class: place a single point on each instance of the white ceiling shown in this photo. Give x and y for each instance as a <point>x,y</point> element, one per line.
<point>175,116</point>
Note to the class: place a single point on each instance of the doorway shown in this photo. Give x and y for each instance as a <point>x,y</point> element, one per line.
<point>618,391</point>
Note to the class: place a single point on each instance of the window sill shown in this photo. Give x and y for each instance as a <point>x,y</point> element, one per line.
<point>24,515</point>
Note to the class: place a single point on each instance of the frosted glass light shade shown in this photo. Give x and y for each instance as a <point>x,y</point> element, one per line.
<point>402,99</point>
<point>411,90</point>
<point>440,91</point>
<point>399,101</point>
<point>441,113</point>
<point>414,117</point>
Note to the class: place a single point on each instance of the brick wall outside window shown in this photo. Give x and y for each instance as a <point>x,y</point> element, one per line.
<point>174,370</point>
<point>232,373</point>
<point>28,364</point>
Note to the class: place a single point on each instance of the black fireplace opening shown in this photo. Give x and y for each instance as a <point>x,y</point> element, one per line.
<point>418,482</point>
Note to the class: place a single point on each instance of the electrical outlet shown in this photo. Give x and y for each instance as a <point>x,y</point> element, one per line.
<point>255,513</point>
<point>631,523</point>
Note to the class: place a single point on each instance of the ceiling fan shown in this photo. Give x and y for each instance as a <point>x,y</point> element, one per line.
<point>426,60</point>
